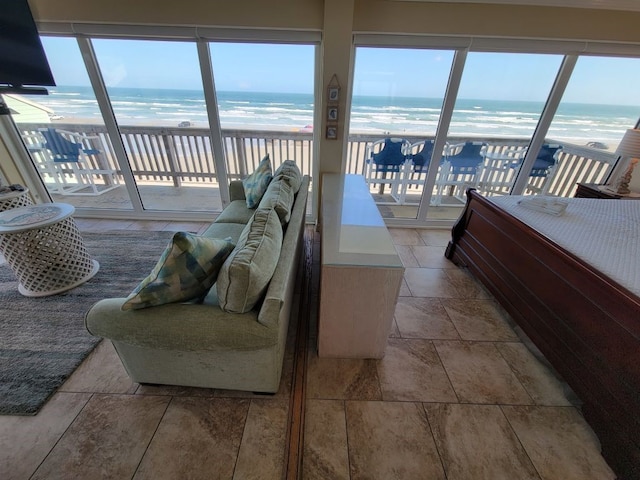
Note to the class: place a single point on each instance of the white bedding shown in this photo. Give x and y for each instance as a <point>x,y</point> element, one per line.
<point>604,233</point>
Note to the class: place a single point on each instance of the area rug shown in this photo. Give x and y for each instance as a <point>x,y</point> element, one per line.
<point>43,340</point>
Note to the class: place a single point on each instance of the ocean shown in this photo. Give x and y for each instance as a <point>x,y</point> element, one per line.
<point>580,123</point>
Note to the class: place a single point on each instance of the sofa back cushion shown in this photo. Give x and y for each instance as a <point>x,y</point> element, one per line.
<point>279,196</point>
<point>289,172</point>
<point>245,275</point>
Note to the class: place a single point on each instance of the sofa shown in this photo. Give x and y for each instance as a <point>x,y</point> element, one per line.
<point>198,343</point>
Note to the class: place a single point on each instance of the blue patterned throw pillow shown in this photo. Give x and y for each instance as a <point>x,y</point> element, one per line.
<point>256,184</point>
<point>187,269</point>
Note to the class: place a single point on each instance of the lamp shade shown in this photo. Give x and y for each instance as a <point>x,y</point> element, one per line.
<point>630,144</point>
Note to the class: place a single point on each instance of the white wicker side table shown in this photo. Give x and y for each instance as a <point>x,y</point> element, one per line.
<point>43,247</point>
<point>15,199</point>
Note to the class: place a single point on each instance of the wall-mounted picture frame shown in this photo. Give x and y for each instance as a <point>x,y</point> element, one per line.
<point>332,132</point>
<point>333,94</point>
<point>332,114</point>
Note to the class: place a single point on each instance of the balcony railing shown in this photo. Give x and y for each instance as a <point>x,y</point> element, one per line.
<point>177,155</point>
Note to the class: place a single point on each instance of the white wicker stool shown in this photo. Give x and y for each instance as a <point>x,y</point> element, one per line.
<point>43,247</point>
<point>15,200</point>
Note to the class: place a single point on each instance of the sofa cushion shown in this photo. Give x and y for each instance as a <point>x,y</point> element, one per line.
<point>246,273</point>
<point>225,230</point>
<point>236,212</point>
<point>256,184</point>
<point>289,172</point>
<point>186,270</point>
<point>279,196</point>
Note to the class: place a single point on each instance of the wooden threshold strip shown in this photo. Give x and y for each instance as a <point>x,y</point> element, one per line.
<point>295,427</point>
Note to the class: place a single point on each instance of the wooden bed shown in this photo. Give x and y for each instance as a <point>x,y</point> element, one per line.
<point>585,324</point>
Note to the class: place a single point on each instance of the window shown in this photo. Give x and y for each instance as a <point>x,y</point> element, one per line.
<point>600,103</point>
<point>69,117</point>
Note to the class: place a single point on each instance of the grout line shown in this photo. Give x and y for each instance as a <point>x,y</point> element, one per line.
<point>91,395</point>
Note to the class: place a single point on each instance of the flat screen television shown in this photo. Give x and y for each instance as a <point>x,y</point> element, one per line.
<point>23,63</point>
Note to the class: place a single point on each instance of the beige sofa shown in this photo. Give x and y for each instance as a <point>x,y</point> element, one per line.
<point>199,344</point>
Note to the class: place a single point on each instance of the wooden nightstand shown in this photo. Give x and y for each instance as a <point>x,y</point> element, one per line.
<point>593,190</point>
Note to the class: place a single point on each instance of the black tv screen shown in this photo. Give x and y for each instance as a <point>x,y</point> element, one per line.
<point>22,58</point>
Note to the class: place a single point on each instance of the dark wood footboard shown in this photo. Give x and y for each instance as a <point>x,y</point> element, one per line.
<point>586,325</point>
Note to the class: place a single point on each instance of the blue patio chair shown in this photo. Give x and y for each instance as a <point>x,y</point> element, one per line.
<point>385,165</point>
<point>422,158</point>
<point>461,169</point>
<point>73,173</point>
<point>543,167</point>
<point>417,168</point>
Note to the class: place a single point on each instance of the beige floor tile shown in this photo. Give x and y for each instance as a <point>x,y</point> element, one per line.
<point>107,439</point>
<point>100,372</point>
<point>431,257</point>
<point>342,378</point>
<point>406,256</point>
<point>436,238</point>
<point>465,285</point>
<point>539,381</point>
<point>108,225</point>
<point>395,332</point>
<point>193,227</point>
<point>411,371</point>
<point>174,390</point>
<point>559,442</point>
<point>476,442</point>
<point>152,225</point>
<point>262,450</point>
<point>479,319</point>
<point>405,236</point>
<point>424,318</point>
<point>430,282</point>
<point>325,441</point>
<point>26,441</point>
<point>479,374</point>
<point>404,289</point>
<point>391,440</point>
<point>198,438</point>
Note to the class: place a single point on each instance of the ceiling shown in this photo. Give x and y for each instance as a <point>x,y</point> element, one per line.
<point>627,5</point>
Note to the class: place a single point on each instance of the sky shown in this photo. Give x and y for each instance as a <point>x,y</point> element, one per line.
<point>378,71</point>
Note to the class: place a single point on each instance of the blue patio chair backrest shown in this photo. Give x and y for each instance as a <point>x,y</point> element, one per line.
<point>391,157</point>
<point>422,159</point>
<point>545,160</point>
<point>468,159</point>
<point>63,150</point>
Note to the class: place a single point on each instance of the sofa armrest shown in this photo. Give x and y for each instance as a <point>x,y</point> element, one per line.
<point>236,190</point>
<point>179,326</point>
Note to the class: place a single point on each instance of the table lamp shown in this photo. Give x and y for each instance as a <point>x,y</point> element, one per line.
<point>629,147</point>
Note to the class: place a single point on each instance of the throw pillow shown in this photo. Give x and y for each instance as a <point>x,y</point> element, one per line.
<point>187,269</point>
<point>256,184</point>
<point>246,273</point>
<point>279,196</point>
<point>290,172</point>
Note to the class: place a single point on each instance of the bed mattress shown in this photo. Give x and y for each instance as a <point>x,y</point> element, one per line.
<point>603,233</point>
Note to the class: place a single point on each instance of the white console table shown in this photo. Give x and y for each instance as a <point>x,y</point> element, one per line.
<point>361,272</point>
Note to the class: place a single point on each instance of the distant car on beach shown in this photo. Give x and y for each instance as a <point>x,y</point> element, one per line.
<point>185,123</point>
<point>600,145</point>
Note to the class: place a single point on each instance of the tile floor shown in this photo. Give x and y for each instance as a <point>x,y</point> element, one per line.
<point>457,396</point>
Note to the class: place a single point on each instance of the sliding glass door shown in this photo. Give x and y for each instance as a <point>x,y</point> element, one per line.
<point>155,90</point>
<point>397,102</point>
<point>266,106</point>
